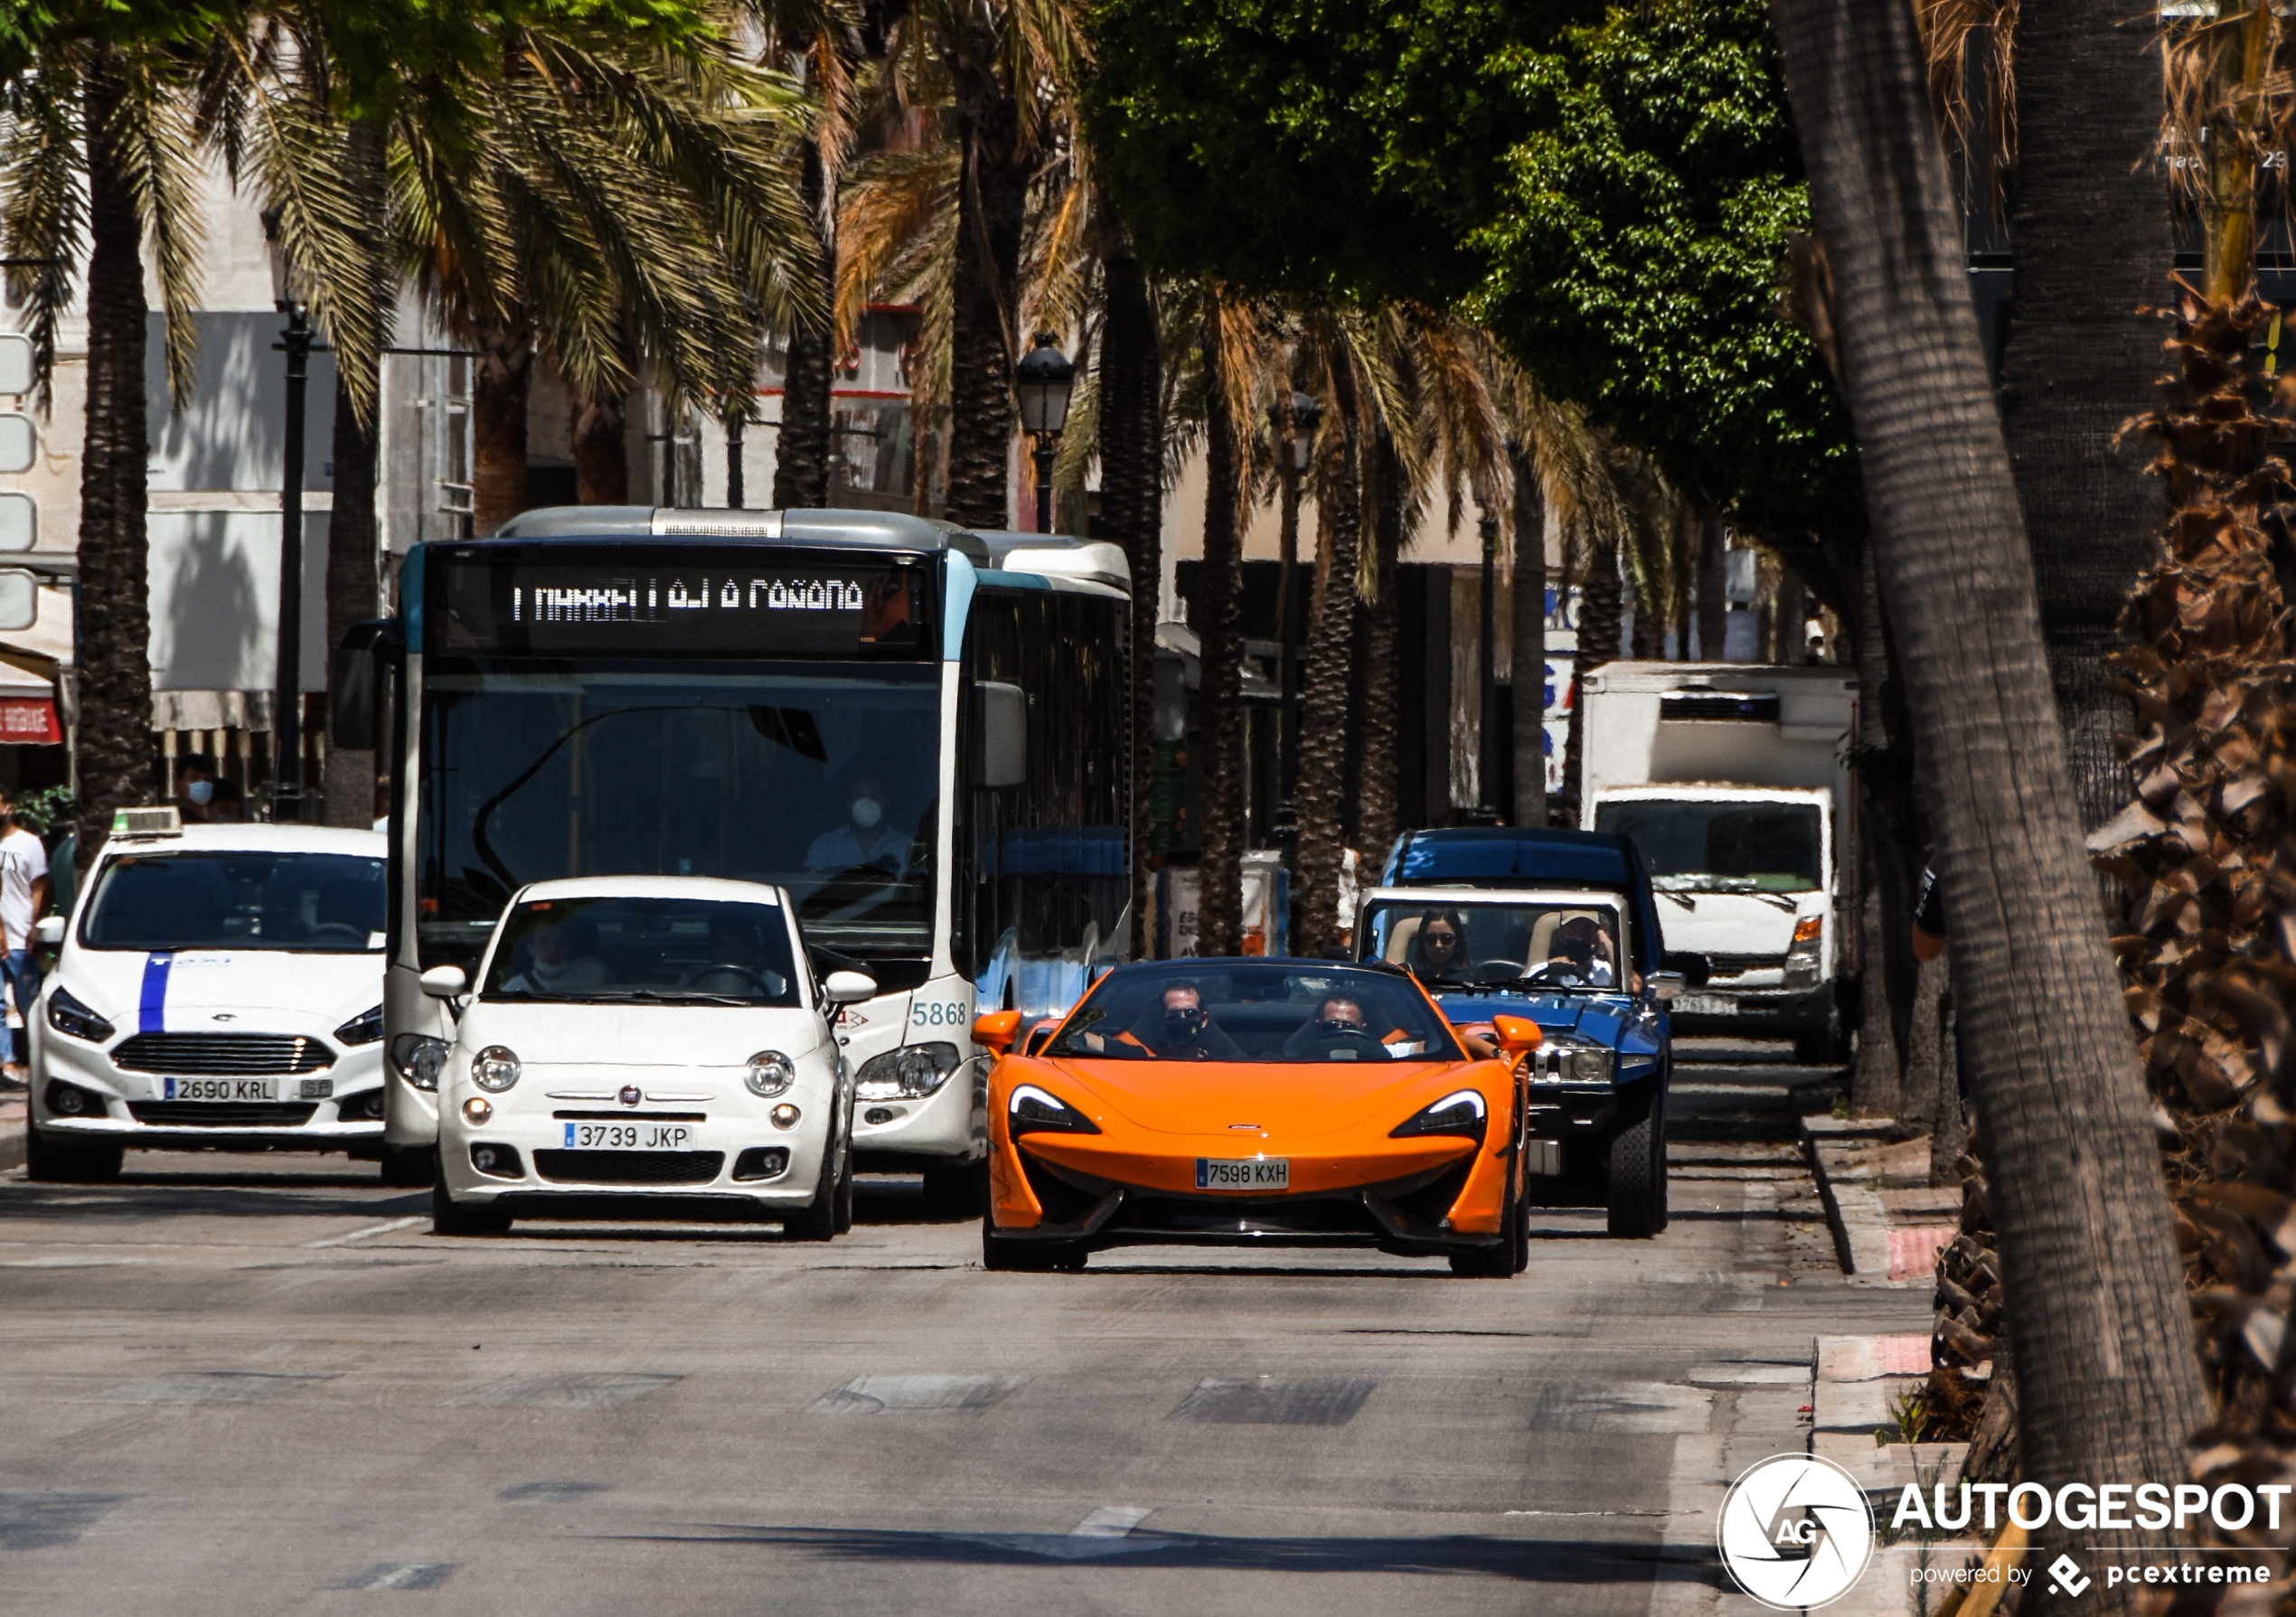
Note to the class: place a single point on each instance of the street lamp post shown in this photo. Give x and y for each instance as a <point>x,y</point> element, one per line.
<point>1044,378</point>
<point>287,720</point>
<point>1304,415</point>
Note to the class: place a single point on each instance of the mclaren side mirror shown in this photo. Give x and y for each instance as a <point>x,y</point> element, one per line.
<point>444,981</point>
<point>997,1030</point>
<point>1517,1035</point>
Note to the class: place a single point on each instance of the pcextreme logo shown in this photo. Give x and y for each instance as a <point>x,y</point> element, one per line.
<point>1796,1532</point>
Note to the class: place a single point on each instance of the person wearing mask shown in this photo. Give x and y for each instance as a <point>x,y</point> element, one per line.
<point>865,838</point>
<point>24,895</point>
<point>196,796</point>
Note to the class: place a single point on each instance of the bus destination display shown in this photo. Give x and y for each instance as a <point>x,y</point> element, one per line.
<point>712,605</point>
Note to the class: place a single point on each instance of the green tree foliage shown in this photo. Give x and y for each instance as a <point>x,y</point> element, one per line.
<point>1610,191</point>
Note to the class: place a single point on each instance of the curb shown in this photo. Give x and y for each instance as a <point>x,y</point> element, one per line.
<point>12,1138</point>
<point>1852,1159</point>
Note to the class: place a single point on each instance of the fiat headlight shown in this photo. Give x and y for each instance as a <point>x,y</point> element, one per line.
<point>770,1074</point>
<point>494,1069</point>
<point>420,1059</point>
<point>910,1073</point>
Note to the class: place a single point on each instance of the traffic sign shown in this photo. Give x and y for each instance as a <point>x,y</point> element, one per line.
<point>19,444</point>
<point>19,521</point>
<point>15,364</point>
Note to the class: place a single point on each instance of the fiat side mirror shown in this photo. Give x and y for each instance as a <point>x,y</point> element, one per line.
<point>997,1030</point>
<point>444,981</point>
<point>847,988</point>
<point>1517,1035</point>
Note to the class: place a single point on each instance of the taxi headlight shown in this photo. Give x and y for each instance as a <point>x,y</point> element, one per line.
<point>1462,1112</point>
<point>418,1058</point>
<point>494,1069</point>
<point>910,1073</point>
<point>1031,1110</point>
<point>770,1074</point>
<point>68,1015</point>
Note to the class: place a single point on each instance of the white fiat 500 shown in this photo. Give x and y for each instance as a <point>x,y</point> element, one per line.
<point>218,986</point>
<point>654,1037</point>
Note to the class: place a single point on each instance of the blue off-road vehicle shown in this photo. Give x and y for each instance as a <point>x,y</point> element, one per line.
<point>1559,927</point>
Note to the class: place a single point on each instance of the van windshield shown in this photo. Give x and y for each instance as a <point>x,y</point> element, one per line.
<point>1722,847</point>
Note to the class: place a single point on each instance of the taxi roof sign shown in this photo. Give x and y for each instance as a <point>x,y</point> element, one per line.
<point>163,822</point>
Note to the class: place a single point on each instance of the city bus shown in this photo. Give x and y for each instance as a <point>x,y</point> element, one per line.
<point>923,733</point>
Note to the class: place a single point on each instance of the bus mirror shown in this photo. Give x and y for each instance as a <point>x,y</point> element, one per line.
<point>1004,736</point>
<point>354,684</point>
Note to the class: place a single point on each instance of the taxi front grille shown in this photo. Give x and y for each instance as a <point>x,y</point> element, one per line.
<point>629,1166</point>
<point>222,1055</point>
<point>221,1114</point>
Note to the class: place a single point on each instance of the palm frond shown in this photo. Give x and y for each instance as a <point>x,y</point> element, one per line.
<point>43,202</point>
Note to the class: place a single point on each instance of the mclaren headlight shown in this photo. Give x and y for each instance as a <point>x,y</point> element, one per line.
<point>418,1058</point>
<point>770,1074</point>
<point>494,1069</point>
<point>68,1015</point>
<point>910,1073</point>
<point>1033,1111</point>
<point>1462,1112</point>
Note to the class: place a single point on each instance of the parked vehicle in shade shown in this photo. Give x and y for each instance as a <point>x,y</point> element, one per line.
<point>645,1044</point>
<point>1560,928</point>
<point>217,987</point>
<point>1733,780</point>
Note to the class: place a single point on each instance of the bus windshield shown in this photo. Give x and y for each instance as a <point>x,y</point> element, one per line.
<point>818,777</point>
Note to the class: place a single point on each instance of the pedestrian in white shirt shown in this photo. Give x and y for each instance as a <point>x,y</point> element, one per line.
<point>24,895</point>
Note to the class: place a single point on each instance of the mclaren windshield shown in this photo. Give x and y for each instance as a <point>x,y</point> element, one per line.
<point>818,777</point>
<point>1281,1012</point>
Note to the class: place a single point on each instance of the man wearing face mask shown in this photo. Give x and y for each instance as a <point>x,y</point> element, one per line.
<point>197,775</point>
<point>865,838</point>
<point>24,894</point>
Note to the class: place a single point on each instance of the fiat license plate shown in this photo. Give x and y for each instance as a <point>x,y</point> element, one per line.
<point>1251,1173</point>
<point>628,1137</point>
<point>221,1089</point>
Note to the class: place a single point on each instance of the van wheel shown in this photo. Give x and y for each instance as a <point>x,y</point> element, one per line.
<point>1637,1205</point>
<point>817,1221</point>
<point>57,1161</point>
<point>408,1168</point>
<point>452,1218</point>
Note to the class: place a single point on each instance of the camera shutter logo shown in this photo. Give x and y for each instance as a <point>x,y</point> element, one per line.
<point>1796,1532</point>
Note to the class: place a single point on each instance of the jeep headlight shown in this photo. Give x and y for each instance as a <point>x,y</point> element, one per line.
<point>1589,1065</point>
<point>910,1073</point>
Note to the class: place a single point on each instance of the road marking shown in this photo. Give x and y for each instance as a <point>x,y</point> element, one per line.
<point>361,1235</point>
<point>400,1575</point>
<point>877,1395</point>
<point>1110,1521</point>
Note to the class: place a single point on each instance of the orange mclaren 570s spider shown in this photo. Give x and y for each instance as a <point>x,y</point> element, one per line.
<point>1256,1102</point>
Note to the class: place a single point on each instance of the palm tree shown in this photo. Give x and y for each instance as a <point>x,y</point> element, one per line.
<point>109,121</point>
<point>1320,797</point>
<point>2098,1324</point>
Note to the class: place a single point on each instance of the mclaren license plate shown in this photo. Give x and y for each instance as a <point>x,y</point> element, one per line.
<point>1251,1173</point>
<point>628,1137</point>
<point>219,1089</point>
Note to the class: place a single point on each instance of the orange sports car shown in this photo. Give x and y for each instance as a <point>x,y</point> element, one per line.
<point>1257,1102</point>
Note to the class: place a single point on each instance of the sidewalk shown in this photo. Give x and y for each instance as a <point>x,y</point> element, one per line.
<point>11,1127</point>
<point>1889,1221</point>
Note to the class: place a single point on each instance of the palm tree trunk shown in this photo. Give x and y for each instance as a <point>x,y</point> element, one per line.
<point>983,342</point>
<point>1889,854</point>
<point>1528,653</point>
<point>498,424</point>
<point>1599,611</point>
<point>1713,610</point>
<point>2098,1317</point>
<point>801,449</point>
<point>1220,924</point>
<point>116,759</point>
<point>354,592</point>
<point>1323,705</point>
<point>1375,812</point>
<point>2094,244</point>
<point>1132,492</point>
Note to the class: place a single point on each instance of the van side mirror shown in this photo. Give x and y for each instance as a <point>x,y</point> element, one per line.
<point>444,981</point>
<point>48,930</point>
<point>997,1030</point>
<point>354,685</point>
<point>1517,1035</point>
<point>1003,756</point>
<point>1694,968</point>
<point>847,988</point>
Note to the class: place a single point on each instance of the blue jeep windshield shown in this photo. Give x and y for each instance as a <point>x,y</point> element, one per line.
<point>1447,942</point>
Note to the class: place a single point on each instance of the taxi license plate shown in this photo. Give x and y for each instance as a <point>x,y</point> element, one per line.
<point>1251,1173</point>
<point>628,1137</point>
<point>221,1089</point>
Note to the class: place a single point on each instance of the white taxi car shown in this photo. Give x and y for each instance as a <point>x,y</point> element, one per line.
<point>643,1037</point>
<point>219,986</point>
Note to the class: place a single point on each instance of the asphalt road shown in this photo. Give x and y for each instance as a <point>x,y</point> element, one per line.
<point>255,1385</point>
